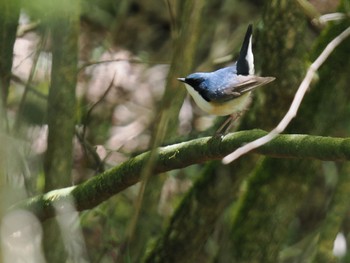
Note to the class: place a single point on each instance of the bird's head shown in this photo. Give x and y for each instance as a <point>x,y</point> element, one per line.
<point>194,80</point>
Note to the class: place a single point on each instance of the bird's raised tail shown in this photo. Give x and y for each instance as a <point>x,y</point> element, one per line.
<point>245,62</point>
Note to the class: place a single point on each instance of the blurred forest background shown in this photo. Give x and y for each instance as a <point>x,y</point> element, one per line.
<point>87,85</point>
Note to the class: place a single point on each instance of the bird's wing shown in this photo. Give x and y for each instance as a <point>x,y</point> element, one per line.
<point>243,85</point>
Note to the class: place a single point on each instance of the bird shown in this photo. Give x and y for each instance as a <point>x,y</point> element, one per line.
<point>226,91</point>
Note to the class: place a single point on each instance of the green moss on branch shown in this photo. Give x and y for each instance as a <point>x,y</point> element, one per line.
<point>98,189</point>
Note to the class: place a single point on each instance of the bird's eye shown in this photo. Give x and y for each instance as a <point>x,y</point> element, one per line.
<point>194,82</point>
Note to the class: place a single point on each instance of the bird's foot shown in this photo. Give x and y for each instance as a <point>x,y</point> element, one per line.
<point>226,126</point>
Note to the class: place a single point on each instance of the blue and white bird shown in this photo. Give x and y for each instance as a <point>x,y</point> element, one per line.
<point>227,90</point>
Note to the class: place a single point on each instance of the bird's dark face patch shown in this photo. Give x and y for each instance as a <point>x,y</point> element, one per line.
<point>194,82</point>
<point>198,84</point>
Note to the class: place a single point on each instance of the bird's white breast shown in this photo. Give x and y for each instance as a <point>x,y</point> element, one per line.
<point>220,109</point>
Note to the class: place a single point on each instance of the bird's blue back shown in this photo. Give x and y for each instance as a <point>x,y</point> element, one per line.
<point>211,85</point>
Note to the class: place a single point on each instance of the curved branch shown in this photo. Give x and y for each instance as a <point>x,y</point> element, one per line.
<point>294,107</point>
<point>101,187</point>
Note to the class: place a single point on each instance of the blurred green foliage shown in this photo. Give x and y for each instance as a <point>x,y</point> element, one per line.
<point>119,104</point>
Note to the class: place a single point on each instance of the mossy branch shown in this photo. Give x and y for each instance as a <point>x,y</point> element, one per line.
<point>101,187</point>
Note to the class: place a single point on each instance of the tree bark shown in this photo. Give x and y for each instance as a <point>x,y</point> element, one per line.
<point>269,204</point>
<point>64,27</point>
<point>9,16</point>
<point>61,101</point>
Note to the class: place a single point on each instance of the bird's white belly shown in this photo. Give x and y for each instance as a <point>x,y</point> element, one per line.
<point>220,109</point>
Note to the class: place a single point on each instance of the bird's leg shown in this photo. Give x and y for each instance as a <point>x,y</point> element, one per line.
<point>225,127</point>
<point>221,128</point>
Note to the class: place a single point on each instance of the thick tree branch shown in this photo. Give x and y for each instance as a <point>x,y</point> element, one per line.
<point>98,189</point>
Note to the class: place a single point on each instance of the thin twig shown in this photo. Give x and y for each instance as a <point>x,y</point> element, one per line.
<point>331,17</point>
<point>172,18</point>
<point>31,88</point>
<point>96,103</point>
<point>88,148</point>
<point>29,82</point>
<point>295,104</point>
<point>130,60</point>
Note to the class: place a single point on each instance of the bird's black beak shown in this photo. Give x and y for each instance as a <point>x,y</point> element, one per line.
<point>182,80</point>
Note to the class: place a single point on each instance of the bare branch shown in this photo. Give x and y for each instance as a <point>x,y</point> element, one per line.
<point>295,104</point>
